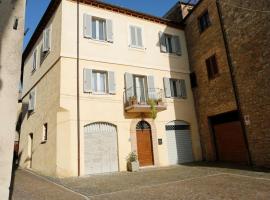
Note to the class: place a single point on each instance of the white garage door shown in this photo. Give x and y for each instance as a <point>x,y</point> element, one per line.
<point>179,142</point>
<point>100,144</point>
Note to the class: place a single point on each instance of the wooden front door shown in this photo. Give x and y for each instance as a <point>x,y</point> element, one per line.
<point>144,145</point>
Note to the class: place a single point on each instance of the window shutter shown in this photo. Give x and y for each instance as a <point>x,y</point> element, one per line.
<point>109,30</point>
<point>111,80</point>
<point>87,26</point>
<point>132,36</point>
<point>167,87</point>
<point>32,97</point>
<point>34,65</point>
<point>176,47</point>
<point>87,76</point>
<point>139,37</point>
<point>151,87</point>
<point>162,42</point>
<point>183,88</point>
<point>129,85</point>
<point>46,39</point>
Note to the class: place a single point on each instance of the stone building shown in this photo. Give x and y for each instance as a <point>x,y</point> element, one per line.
<point>228,45</point>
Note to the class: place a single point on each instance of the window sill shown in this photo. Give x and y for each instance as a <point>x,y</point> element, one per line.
<point>100,42</point>
<point>33,71</point>
<point>173,55</point>
<point>141,49</point>
<point>44,142</point>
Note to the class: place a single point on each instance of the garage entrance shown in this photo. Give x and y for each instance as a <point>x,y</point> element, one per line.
<point>229,138</point>
<point>179,142</point>
<point>100,148</point>
<point>144,144</point>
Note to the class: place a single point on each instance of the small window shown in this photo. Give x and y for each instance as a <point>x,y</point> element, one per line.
<point>99,82</point>
<point>136,37</point>
<point>34,64</point>
<point>45,133</point>
<point>204,21</point>
<point>99,29</point>
<point>212,67</point>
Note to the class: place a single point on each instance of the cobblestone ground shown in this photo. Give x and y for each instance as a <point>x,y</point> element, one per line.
<point>195,181</point>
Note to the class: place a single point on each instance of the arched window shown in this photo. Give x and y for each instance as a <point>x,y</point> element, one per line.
<point>143,125</point>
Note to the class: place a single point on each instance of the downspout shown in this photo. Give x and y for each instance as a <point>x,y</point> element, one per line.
<point>78,90</point>
<point>235,89</point>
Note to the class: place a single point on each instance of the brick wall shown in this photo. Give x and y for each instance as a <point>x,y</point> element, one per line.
<point>248,34</point>
<point>212,96</point>
<point>248,38</point>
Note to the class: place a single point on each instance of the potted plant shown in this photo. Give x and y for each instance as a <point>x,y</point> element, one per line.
<point>132,162</point>
<point>133,100</point>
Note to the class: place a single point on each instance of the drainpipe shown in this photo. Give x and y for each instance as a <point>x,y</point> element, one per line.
<point>78,89</point>
<point>234,84</point>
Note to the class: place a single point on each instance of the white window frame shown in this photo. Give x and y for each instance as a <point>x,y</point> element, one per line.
<point>98,72</point>
<point>173,94</point>
<point>97,29</point>
<point>136,37</point>
<point>167,43</point>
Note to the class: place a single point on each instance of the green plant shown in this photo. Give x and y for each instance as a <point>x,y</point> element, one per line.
<point>132,157</point>
<point>152,104</point>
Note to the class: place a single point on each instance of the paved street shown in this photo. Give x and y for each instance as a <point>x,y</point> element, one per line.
<point>195,181</point>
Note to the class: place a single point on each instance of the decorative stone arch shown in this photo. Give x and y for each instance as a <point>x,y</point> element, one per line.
<point>133,137</point>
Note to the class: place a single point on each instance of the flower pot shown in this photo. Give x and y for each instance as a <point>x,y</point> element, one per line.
<point>133,166</point>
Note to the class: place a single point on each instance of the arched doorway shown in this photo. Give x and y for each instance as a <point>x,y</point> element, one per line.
<point>144,144</point>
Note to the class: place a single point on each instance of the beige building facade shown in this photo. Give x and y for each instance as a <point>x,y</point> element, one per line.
<point>11,43</point>
<point>130,65</point>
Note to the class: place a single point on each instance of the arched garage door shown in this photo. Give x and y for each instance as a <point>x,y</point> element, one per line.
<point>179,142</point>
<point>100,144</point>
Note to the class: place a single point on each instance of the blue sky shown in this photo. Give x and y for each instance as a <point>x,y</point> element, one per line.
<point>36,8</point>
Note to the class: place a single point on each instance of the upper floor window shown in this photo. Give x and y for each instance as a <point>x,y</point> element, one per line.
<point>99,82</point>
<point>175,88</point>
<point>34,61</point>
<point>136,37</point>
<point>169,43</point>
<point>97,28</point>
<point>32,100</point>
<point>204,21</point>
<point>140,88</point>
<point>46,44</point>
<point>212,67</point>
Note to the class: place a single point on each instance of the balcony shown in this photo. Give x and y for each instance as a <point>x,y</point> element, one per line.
<point>138,100</point>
